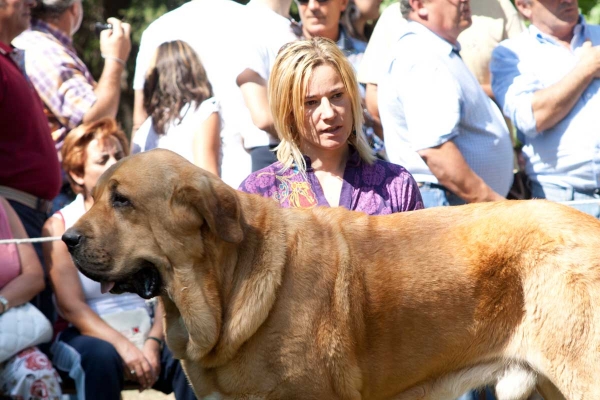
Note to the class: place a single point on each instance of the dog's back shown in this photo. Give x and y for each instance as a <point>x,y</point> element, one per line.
<point>440,290</point>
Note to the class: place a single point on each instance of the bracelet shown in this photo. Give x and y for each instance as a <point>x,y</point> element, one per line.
<point>117,59</point>
<point>157,340</point>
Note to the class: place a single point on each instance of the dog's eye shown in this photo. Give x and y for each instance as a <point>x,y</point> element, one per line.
<point>119,200</point>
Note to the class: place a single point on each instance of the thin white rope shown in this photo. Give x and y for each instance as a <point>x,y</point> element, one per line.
<point>580,202</point>
<point>30,240</point>
<point>55,238</point>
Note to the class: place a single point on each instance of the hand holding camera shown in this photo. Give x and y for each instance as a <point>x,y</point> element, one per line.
<point>115,42</point>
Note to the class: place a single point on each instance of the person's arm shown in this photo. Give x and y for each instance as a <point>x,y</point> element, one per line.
<point>115,45</point>
<point>71,302</point>
<point>373,108</point>
<point>254,91</point>
<point>552,104</point>
<point>30,281</point>
<point>139,112</point>
<point>152,349</point>
<point>207,144</point>
<point>452,171</point>
<point>530,105</point>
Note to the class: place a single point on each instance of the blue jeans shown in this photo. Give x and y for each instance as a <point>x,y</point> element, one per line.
<point>435,195</point>
<point>568,194</point>
<point>97,368</point>
<point>485,394</point>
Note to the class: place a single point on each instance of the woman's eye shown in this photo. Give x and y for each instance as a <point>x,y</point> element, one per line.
<point>337,95</point>
<point>310,102</point>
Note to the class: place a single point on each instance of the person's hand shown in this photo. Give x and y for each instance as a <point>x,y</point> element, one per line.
<point>116,42</point>
<point>151,351</point>
<point>137,367</point>
<point>589,56</point>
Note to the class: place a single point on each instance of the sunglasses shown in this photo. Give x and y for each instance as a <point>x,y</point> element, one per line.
<point>305,2</point>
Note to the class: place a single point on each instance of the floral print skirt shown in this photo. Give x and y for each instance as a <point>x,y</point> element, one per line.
<point>29,375</point>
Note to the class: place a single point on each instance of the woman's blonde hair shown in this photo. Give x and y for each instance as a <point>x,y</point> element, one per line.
<point>287,90</point>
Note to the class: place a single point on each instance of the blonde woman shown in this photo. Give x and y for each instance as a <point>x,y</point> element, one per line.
<point>183,115</point>
<point>324,157</point>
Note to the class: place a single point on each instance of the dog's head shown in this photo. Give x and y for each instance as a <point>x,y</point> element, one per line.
<point>152,211</point>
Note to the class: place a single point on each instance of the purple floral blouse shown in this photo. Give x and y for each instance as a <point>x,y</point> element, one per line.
<point>380,188</point>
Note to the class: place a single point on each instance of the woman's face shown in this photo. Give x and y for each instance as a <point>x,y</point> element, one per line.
<point>327,111</point>
<point>100,154</point>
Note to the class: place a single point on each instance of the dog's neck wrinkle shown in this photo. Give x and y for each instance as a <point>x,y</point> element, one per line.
<point>251,282</point>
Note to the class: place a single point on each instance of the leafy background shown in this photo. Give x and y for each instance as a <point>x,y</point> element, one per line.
<point>140,13</point>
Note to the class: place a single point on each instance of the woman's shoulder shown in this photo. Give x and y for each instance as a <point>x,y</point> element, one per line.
<point>70,213</point>
<point>206,108</point>
<point>383,170</point>
<point>265,181</point>
<point>393,182</point>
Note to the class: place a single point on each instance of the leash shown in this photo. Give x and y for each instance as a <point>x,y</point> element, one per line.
<point>56,238</point>
<point>30,240</point>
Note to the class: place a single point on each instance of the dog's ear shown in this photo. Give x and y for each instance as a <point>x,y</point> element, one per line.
<point>216,203</point>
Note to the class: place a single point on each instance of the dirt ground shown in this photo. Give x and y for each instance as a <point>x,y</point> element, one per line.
<point>146,395</point>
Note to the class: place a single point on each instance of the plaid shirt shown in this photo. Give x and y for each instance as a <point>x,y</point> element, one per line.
<point>61,79</point>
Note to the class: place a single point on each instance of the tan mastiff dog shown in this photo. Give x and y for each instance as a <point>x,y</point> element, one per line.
<point>270,303</point>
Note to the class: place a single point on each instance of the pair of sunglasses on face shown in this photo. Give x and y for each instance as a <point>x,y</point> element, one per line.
<point>305,2</point>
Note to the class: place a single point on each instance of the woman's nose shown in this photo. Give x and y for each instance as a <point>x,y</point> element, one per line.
<point>327,110</point>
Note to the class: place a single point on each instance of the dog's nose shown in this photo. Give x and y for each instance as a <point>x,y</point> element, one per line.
<point>72,238</point>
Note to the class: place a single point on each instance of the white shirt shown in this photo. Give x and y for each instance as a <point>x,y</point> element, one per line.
<point>568,153</point>
<point>261,44</point>
<point>493,21</point>
<point>213,28</point>
<point>179,135</point>
<point>387,31</point>
<point>429,97</point>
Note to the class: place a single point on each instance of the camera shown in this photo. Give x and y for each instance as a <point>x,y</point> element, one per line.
<point>100,26</point>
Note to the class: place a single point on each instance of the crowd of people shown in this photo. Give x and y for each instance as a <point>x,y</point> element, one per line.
<point>380,114</point>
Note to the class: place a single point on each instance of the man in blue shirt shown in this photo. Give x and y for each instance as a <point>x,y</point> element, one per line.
<point>438,122</point>
<point>546,81</point>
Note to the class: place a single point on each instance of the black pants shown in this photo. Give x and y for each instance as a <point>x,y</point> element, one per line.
<point>262,156</point>
<point>103,369</point>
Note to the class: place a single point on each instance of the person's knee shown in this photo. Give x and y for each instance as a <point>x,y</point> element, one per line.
<point>100,357</point>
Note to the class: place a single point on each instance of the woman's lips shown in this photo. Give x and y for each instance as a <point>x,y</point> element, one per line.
<point>332,129</point>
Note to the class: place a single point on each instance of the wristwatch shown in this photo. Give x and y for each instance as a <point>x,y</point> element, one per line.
<point>4,303</point>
